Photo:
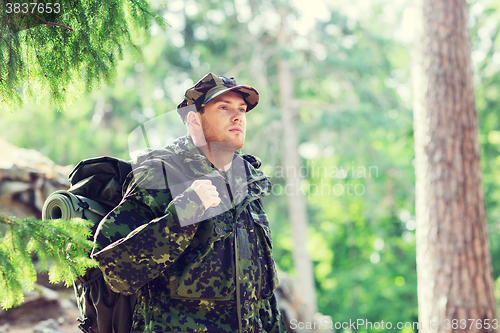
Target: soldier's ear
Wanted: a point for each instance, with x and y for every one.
(193, 120)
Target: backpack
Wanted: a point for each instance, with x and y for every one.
(96, 188)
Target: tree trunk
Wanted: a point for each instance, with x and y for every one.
(297, 210)
(455, 279)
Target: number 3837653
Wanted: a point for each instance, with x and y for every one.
(34, 8)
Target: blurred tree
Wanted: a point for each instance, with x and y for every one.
(485, 21)
(297, 209)
(455, 282)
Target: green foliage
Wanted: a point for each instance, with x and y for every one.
(62, 245)
(362, 246)
(73, 49)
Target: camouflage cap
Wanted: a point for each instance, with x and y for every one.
(211, 86)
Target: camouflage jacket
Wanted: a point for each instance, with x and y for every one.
(193, 270)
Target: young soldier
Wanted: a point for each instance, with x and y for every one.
(190, 236)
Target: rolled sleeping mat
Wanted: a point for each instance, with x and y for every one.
(66, 205)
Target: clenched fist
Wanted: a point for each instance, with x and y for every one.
(207, 192)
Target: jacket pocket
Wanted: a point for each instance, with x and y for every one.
(263, 222)
(206, 272)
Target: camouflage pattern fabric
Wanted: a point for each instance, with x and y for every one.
(217, 275)
(210, 86)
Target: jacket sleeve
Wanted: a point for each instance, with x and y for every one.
(142, 236)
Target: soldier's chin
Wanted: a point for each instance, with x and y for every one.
(227, 145)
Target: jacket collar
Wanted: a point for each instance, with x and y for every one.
(200, 166)
(182, 156)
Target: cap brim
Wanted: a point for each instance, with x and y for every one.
(250, 95)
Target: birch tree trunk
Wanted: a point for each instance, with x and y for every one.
(455, 279)
(297, 210)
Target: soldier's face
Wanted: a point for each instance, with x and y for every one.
(224, 120)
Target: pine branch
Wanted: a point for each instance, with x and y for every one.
(75, 59)
(62, 245)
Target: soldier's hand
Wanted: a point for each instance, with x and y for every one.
(207, 192)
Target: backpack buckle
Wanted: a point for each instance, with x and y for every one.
(85, 325)
(83, 204)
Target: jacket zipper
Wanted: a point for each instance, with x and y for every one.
(237, 267)
(260, 280)
(237, 277)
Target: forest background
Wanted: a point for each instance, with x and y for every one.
(350, 66)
